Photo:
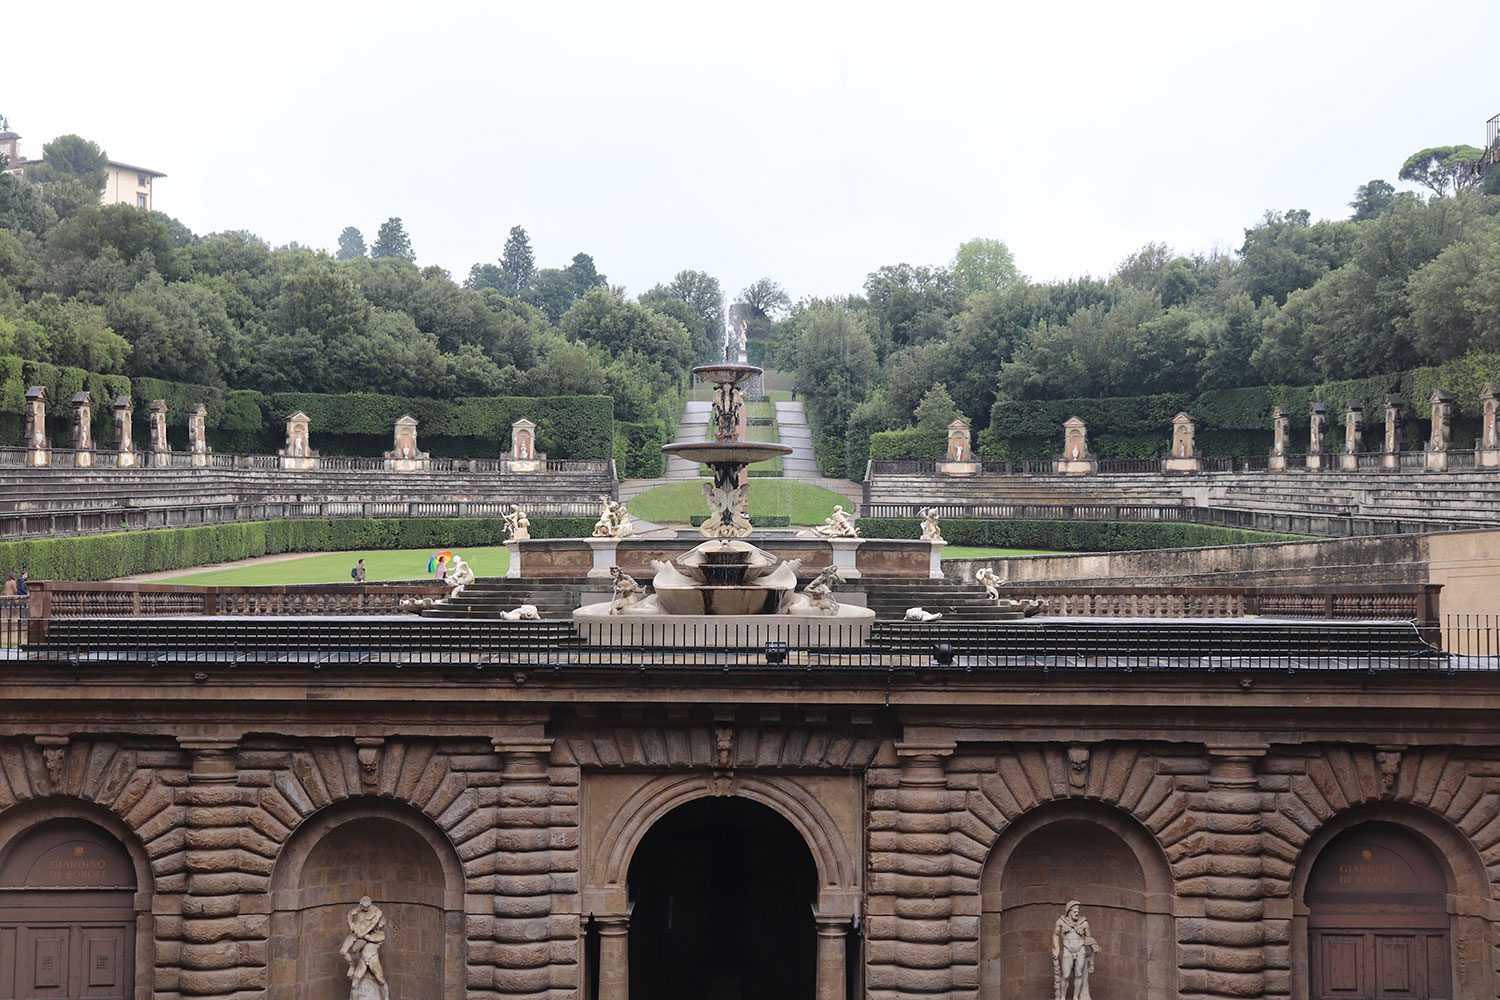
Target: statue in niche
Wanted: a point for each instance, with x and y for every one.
(930, 530)
(361, 949)
(1073, 951)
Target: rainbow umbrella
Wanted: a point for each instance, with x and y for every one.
(438, 557)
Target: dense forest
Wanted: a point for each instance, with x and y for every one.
(1406, 280)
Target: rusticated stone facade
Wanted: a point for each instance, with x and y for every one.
(498, 821)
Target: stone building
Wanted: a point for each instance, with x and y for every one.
(542, 822)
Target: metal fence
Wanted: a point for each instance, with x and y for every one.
(829, 647)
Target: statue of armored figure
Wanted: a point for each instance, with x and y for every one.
(1073, 951)
(361, 949)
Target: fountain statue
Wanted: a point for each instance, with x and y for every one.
(726, 575)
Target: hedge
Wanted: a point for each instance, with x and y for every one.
(1236, 422)
(105, 557)
(910, 443)
(637, 449)
(1071, 536)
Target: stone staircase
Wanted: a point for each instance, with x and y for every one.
(489, 597)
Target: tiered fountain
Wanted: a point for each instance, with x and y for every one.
(726, 578)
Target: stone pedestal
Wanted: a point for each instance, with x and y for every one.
(604, 556)
(161, 451)
(124, 432)
(844, 555)
(83, 430)
(1435, 461)
(513, 571)
(1174, 463)
(1318, 461)
(946, 468)
(198, 435)
(935, 561)
(521, 465)
(1348, 462)
(1276, 463)
(1279, 424)
(38, 451)
(1075, 466)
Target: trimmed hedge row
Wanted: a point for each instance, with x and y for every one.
(637, 449)
(1071, 536)
(106, 557)
(910, 443)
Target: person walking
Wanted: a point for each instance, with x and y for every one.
(359, 572)
(10, 586)
(442, 569)
(21, 583)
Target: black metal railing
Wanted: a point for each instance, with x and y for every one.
(832, 647)
(13, 621)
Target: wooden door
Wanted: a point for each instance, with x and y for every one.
(1377, 919)
(67, 921)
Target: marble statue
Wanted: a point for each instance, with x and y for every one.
(728, 401)
(460, 574)
(614, 521)
(726, 510)
(525, 611)
(838, 525)
(930, 530)
(922, 615)
(629, 594)
(986, 578)
(1025, 607)
(1073, 951)
(361, 949)
(816, 598)
(517, 524)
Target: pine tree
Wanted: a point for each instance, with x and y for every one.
(517, 263)
(392, 241)
(351, 244)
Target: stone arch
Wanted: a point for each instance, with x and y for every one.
(838, 875)
(1108, 861)
(21, 820)
(1471, 901)
(399, 857)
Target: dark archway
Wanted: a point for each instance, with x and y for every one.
(1378, 922)
(67, 914)
(723, 892)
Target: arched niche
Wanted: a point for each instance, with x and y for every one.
(75, 901)
(1408, 915)
(404, 863)
(1111, 865)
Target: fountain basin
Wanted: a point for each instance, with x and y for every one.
(726, 452)
(726, 374)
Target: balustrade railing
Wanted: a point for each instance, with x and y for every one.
(107, 458)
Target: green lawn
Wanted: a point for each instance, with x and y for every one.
(674, 503)
(970, 552)
(333, 567)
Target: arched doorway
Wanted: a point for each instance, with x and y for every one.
(1378, 923)
(405, 865)
(1113, 868)
(722, 893)
(67, 914)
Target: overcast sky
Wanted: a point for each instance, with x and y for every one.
(810, 142)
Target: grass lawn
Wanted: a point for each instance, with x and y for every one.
(674, 503)
(333, 567)
(970, 552)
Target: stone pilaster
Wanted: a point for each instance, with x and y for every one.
(1221, 932)
(910, 929)
(223, 951)
(536, 856)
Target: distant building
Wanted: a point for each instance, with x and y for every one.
(125, 184)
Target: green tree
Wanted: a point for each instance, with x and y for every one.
(1287, 251)
(1371, 199)
(835, 371)
(178, 331)
(982, 265)
(77, 334)
(704, 297)
(127, 230)
(351, 244)
(22, 206)
(936, 410)
(391, 241)
(1443, 169)
(71, 172)
(517, 263)
(912, 304)
(605, 320)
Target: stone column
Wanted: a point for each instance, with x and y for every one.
(614, 956)
(832, 977)
(124, 432)
(1354, 425)
(910, 929)
(83, 430)
(38, 451)
(1221, 925)
(198, 435)
(1441, 437)
(1317, 415)
(161, 450)
(223, 952)
(1487, 448)
(1279, 424)
(1390, 452)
